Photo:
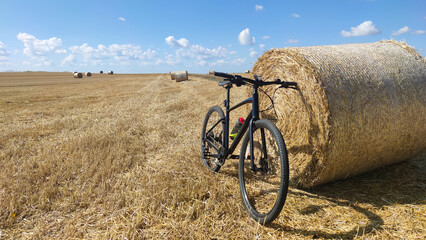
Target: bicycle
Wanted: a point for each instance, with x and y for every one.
(263, 170)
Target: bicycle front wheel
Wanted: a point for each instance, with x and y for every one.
(263, 182)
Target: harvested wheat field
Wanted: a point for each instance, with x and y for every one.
(118, 156)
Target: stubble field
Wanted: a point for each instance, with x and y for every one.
(118, 156)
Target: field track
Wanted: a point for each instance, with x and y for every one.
(117, 156)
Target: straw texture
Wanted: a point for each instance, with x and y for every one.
(358, 107)
(181, 76)
(173, 75)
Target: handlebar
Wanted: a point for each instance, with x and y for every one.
(221, 74)
(238, 80)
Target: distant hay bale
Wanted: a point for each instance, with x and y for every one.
(247, 71)
(110, 72)
(181, 76)
(74, 72)
(78, 75)
(101, 72)
(89, 74)
(358, 107)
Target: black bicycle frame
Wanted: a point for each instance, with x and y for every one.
(248, 123)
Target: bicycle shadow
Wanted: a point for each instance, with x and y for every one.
(329, 196)
(230, 168)
(402, 183)
(398, 184)
(374, 221)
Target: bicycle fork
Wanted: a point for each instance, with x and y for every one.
(264, 156)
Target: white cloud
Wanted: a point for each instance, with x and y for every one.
(35, 47)
(258, 7)
(202, 63)
(183, 42)
(222, 62)
(194, 54)
(292, 41)
(122, 19)
(201, 53)
(239, 61)
(366, 28)
(253, 53)
(266, 37)
(125, 51)
(68, 59)
(3, 54)
(169, 59)
(4, 61)
(219, 62)
(406, 29)
(39, 62)
(89, 52)
(3, 50)
(262, 47)
(419, 32)
(295, 15)
(149, 54)
(43, 62)
(114, 52)
(245, 37)
(402, 30)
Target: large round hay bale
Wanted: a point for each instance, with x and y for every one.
(89, 74)
(172, 75)
(101, 72)
(110, 72)
(358, 107)
(78, 75)
(181, 76)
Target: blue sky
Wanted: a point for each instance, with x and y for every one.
(165, 35)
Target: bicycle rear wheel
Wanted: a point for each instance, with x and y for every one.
(212, 138)
(264, 187)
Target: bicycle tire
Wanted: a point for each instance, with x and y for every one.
(259, 188)
(214, 114)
